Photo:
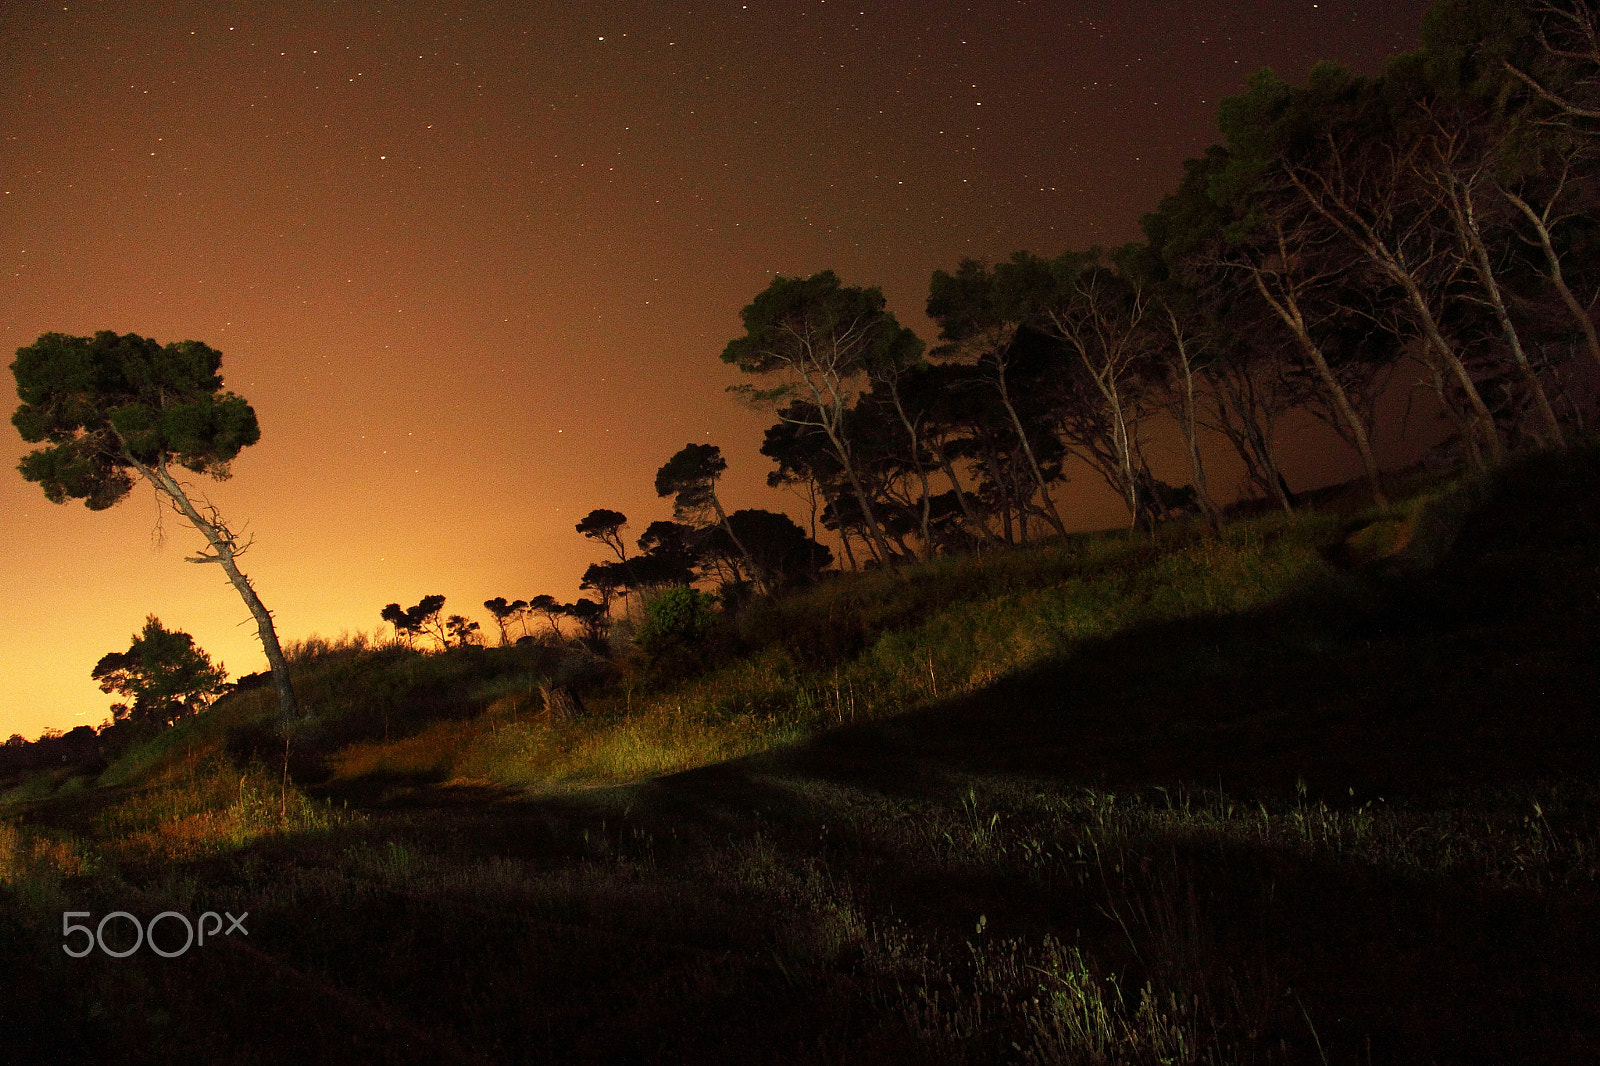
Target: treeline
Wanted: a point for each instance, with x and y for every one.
(1440, 217)
(1436, 222)
(78, 747)
(743, 553)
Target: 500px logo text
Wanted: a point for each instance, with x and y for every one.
(194, 933)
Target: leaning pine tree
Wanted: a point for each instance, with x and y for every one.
(107, 405)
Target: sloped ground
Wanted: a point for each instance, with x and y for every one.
(1361, 825)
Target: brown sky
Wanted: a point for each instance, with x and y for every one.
(474, 264)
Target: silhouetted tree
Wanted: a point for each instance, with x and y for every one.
(460, 631)
(108, 404)
(690, 477)
(503, 612)
(422, 619)
(1336, 143)
(607, 579)
(669, 555)
(590, 615)
(980, 315)
(804, 459)
(606, 527)
(1181, 343)
(166, 676)
(781, 549)
(552, 610)
(1260, 232)
(1096, 310)
(819, 335)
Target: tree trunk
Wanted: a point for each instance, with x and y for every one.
(844, 539)
(916, 461)
(1555, 275)
(978, 524)
(1251, 439)
(868, 515)
(1482, 420)
(763, 583)
(222, 542)
(1388, 258)
(1033, 464)
(1191, 430)
(1472, 235)
(1288, 311)
(1001, 479)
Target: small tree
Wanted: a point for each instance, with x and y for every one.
(607, 579)
(677, 625)
(590, 615)
(163, 672)
(422, 619)
(606, 527)
(108, 404)
(552, 610)
(460, 631)
(503, 612)
(690, 477)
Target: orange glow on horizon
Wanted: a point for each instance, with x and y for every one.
(475, 272)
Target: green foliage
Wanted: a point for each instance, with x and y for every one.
(105, 403)
(677, 624)
(164, 673)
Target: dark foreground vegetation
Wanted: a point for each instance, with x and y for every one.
(1322, 789)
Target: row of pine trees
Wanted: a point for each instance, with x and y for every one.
(1430, 228)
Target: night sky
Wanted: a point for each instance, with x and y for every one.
(474, 265)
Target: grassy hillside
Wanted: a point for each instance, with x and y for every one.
(1321, 790)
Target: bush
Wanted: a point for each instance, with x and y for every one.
(676, 628)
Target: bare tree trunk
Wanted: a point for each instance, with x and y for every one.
(1483, 419)
(844, 539)
(1033, 464)
(1541, 226)
(1189, 424)
(1387, 256)
(916, 461)
(1463, 425)
(225, 545)
(1466, 220)
(1574, 407)
(879, 543)
(1251, 439)
(1003, 485)
(1104, 344)
(1288, 311)
(978, 524)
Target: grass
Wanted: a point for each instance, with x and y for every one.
(1324, 790)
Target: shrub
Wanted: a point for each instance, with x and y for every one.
(676, 627)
